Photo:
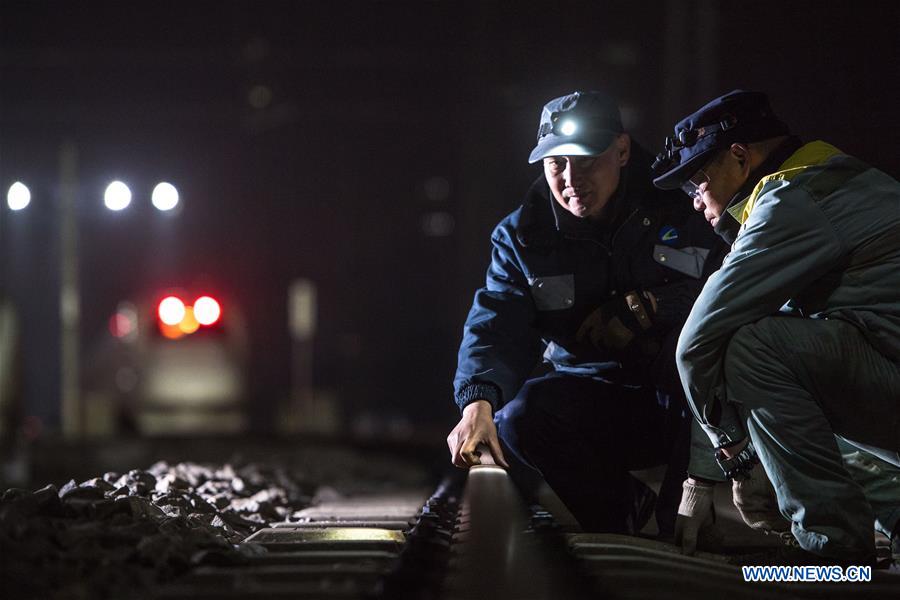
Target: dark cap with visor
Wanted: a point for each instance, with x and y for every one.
(738, 116)
(579, 124)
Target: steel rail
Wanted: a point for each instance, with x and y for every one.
(496, 555)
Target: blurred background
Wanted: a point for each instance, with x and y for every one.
(334, 171)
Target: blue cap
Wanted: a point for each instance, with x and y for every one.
(580, 124)
(738, 116)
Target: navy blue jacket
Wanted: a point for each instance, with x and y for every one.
(549, 270)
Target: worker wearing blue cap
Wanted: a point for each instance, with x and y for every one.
(596, 271)
(797, 337)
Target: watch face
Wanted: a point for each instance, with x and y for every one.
(739, 465)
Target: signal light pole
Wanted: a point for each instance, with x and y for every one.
(117, 197)
(71, 407)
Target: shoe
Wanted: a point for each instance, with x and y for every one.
(889, 556)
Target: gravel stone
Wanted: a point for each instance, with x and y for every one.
(115, 535)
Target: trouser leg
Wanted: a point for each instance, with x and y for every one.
(677, 438)
(544, 427)
(527, 478)
(584, 435)
(800, 381)
(880, 481)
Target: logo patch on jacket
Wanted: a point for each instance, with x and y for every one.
(668, 235)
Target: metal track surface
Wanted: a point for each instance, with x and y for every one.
(474, 538)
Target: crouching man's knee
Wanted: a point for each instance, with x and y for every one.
(512, 423)
(519, 422)
(753, 367)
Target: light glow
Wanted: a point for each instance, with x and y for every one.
(18, 196)
(188, 323)
(117, 196)
(207, 310)
(120, 325)
(165, 196)
(124, 323)
(568, 127)
(171, 311)
(171, 332)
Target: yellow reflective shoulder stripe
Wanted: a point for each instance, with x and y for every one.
(737, 211)
(809, 155)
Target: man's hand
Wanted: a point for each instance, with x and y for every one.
(694, 525)
(616, 324)
(475, 427)
(755, 499)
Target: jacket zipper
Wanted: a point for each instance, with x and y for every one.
(612, 240)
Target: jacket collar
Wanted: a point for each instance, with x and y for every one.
(786, 162)
(739, 201)
(810, 155)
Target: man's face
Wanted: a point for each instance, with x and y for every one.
(714, 186)
(583, 185)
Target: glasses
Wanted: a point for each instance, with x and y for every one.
(691, 187)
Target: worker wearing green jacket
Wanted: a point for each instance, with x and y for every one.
(796, 338)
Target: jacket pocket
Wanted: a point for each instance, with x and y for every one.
(689, 260)
(555, 292)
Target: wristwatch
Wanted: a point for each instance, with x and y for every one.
(739, 465)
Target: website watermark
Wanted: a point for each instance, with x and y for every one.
(807, 573)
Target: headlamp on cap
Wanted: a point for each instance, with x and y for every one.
(559, 126)
(739, 116)
(578, 124)
(568, 127)
(687, 138)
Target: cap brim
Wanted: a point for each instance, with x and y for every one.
(674, 178)
(555, 145)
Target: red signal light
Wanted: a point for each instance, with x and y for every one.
(171, 310)
(206, 310)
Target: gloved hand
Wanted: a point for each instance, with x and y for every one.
(695, 523)
(617, 323)
(755, 499)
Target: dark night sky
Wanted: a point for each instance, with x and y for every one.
(373, 106)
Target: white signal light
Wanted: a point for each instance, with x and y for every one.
(117, 196)
(171, 310)
(207, 310)
(165, 196)
(18, 196)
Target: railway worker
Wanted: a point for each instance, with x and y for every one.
(596, 270)
(797, 337)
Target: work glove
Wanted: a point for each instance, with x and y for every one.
(695, 523)
(619, 322)
(755, 499)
